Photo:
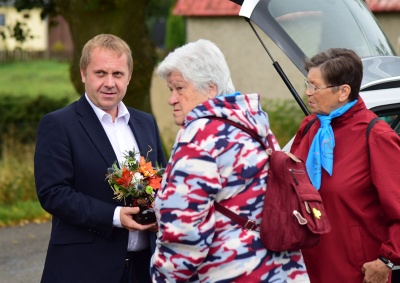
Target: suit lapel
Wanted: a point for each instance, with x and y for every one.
(140, 134)
(95, 131)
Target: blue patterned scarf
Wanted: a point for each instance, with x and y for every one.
(321, 150)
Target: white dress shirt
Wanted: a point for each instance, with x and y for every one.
(122, 140)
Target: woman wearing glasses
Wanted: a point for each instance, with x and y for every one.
(358, 177)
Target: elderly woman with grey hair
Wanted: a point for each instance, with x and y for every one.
(212, 161)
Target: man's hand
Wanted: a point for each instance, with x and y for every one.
(128, 223)
(375, 272)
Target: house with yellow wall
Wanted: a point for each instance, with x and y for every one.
(37, 27)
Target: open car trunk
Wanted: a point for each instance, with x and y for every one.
(304, 28)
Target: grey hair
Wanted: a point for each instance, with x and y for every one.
(201, 63)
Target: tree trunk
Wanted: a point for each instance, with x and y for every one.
(123, 18)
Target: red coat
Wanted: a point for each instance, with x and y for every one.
(361, 198)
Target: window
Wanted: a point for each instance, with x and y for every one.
(391, 115)
(2, 20)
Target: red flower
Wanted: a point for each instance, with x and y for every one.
(126, 178)
(155, 182)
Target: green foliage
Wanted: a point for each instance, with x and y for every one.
(176, 32)
(284, 117)
(23, 101)
(16, 167)
(159, 8)
(47, 6)
(33, 78)
(21, 115)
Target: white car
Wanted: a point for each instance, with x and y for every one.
(303, 28)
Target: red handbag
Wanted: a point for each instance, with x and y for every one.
(293, 213)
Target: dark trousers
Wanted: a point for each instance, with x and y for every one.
(137, 267)
(396, 276)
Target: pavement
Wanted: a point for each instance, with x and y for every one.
(22, 252)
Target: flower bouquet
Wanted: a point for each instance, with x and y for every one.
(138, 181)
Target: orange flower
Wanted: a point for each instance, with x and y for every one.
(126, 178)
(146, 168)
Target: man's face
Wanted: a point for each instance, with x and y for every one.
(106, 79)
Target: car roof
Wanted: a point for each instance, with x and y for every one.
(379, 71)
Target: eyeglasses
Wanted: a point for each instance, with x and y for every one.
(313, 88)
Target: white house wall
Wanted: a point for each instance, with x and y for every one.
(390, 24)
(251, 67)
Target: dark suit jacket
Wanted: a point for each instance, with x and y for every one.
(71, 160)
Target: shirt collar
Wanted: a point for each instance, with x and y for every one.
(100, 113)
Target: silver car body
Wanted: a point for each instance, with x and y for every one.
(304, 28)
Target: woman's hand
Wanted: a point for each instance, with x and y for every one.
(375, 272)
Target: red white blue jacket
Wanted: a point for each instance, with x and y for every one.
(213, 161)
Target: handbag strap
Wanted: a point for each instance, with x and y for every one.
(370, 125)
(369, 128)
(308, 126)
(241, 220)
(244, 129)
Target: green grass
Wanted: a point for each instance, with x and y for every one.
(18, 200)
(34, 78)
(20, 213)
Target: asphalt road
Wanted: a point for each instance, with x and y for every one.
(22, 252)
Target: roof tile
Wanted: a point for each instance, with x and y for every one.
(206, 8)
(383, 5)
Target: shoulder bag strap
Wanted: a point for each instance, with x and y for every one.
(370, 125)
(308, 126)
(369, 128)
(242, 221)
(244, 129)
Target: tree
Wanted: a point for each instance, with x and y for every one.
(124, 18)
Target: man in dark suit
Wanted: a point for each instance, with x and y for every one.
(93, 236)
